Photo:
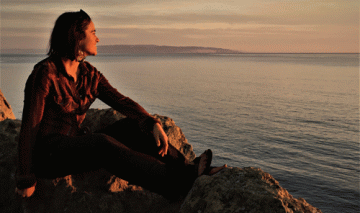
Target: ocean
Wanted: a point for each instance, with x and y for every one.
(295, 116)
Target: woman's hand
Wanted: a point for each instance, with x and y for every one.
(25, 193)
(161, 139)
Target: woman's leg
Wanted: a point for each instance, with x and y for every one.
(70, 155)
(128, 133)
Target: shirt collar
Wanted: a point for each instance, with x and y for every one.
(61, 69)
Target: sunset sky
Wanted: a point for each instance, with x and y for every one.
(244, 25)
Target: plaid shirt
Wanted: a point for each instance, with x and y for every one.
(55, 104)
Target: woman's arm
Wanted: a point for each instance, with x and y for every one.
(36, 91)
(133, 110)
(125, 105)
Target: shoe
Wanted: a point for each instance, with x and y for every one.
(207, 156)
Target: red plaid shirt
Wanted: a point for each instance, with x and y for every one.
(54, 103)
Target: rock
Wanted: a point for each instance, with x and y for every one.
(97, 119)
(97, 191)
(242, 190)
(5, 108)
(176, 137)
(232, 190)
(9, 129)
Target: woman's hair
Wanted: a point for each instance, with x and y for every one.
(68, 31)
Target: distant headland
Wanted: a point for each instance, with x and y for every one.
(134, 49)
(138, 49)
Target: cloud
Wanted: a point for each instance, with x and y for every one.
(317, 12)
(275, 39)
(189, 22)
(27, 19)
(167, 13)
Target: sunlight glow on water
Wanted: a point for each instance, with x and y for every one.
(295, 116)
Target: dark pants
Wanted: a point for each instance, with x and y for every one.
(123, 150)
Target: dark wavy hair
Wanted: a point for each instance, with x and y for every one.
(68, 31)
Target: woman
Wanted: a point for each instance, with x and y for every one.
(58, 93)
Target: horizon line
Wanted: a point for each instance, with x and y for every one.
(239, 53)
(37, 50)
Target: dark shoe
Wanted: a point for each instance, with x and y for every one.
(207, 157)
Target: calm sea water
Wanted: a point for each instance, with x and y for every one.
(296, 116)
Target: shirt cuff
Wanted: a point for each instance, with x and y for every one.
(25, 181)
(147, 125)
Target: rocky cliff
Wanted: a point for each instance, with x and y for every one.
(5, 108)
(232, 190)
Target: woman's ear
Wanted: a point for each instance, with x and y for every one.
(80, 55)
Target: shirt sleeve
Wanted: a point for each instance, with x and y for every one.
(125, 105)
(36, 91)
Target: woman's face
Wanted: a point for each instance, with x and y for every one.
(88, 44)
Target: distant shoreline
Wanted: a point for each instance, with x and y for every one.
(137, 49)
(156, 49)
(104, 54)
(152, 49)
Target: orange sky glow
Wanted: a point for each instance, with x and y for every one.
(286, 26)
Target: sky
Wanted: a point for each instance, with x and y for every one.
(285, 26)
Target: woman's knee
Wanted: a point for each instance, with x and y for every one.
(106, 143)
(100, 139)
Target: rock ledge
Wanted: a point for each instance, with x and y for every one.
(232, 190)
